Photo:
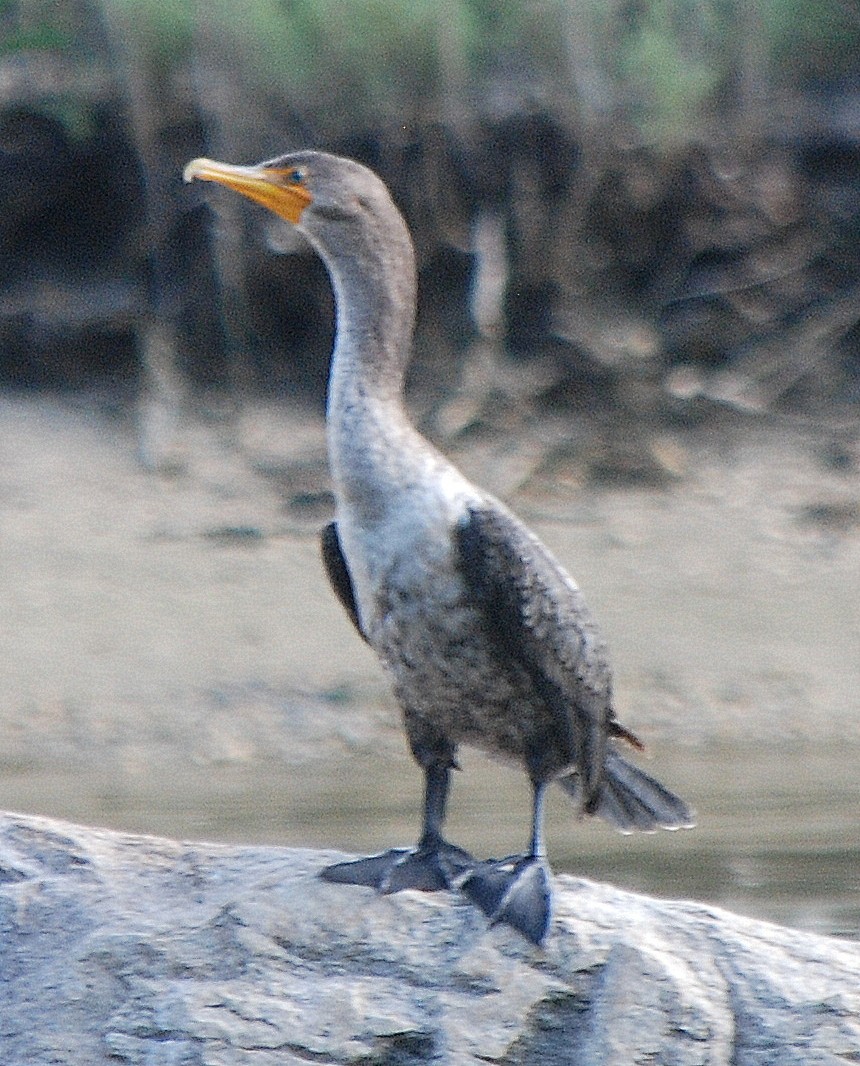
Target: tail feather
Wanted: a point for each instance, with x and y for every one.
(632, 800)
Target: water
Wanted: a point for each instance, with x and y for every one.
(777, 833)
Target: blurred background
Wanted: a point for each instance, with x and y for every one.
(638, 234)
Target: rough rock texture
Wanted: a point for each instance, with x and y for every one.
(125, 949)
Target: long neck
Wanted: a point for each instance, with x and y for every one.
(373, 275)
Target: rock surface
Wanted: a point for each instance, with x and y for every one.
(130, 949)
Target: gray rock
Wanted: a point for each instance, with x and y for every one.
(129, 949)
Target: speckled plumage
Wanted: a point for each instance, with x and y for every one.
(487, 640)
(401, 507)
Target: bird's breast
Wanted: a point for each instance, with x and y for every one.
(418, 615)
(417, 612)
(404, 557)
(396, 529)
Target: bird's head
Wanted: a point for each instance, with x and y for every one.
(347, 214)
(309, 189)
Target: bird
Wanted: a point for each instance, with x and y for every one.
(486, 638)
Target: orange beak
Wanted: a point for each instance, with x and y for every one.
(273, 188)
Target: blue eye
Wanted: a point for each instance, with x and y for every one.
(296, 176)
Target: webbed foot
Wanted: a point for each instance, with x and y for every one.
(515, 891)
(427, 869)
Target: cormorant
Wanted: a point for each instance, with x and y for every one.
(486, 638)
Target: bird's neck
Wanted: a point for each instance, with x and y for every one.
(370, 436)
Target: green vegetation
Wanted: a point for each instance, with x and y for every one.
(673, 66)
(162, 29)
(33, 26)
(664, 66)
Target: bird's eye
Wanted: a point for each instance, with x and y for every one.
(296, 176)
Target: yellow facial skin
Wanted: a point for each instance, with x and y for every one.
(280, 190)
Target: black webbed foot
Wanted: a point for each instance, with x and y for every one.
(427, 869)
(515, 891)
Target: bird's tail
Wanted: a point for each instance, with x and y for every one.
(632, 800)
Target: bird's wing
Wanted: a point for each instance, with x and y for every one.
(338, 573)
(536, 617)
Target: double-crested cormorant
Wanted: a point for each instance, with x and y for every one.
(486, 638)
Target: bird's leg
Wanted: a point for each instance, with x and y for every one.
(433, 864)
(516, 891)
(437, 781)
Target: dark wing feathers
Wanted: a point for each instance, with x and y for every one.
(536, 616)
(338, 573)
